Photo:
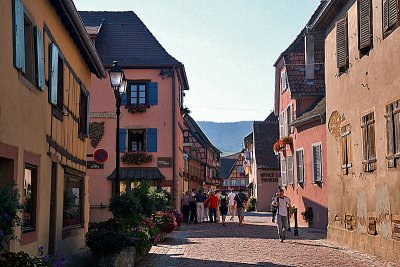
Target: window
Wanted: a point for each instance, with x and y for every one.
(342, 46)
(84, 112)
(300, 166)
(29, 50)
(345, 140)
(73, 200)
(60, 84)
(284, 81)
(290, 170)
(56, 81)
(186, 139)
(390, 16)
(364, 26)
(28, 197)
(393, 134)
(368, 134)
(137, 94)
(28, 46)
(136, 140)
(317, 163)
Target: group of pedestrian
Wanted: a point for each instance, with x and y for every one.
(199, 206)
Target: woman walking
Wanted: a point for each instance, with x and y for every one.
(223, 206)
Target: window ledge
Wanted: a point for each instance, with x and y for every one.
(28, 237)
(28, 84)
(58, 113)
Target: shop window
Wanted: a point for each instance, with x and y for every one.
(73, 201)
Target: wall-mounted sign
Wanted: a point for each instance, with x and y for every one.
(110, 115)
(94, 165)
(100, 155)
(164, 162)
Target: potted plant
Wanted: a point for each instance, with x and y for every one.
(308, 215)
(137, 108)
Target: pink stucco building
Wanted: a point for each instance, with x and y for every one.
(300, 104)
(151, 123)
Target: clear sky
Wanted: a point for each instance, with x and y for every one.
(228, 47)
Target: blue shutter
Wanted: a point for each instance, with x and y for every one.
(122, 140)
(39, 59)
(53, 74)
(153, 93)
(87, 113)
(19, 35)
(152, 140)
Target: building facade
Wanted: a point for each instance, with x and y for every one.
(201, 158)
(151, 122)
(363, 100)
(300, 105)
(261, 163)
(46, 80)
(233, 173)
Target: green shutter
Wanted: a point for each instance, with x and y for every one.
(152, 140)
(53, 74)
(39, 59)
(19, 35)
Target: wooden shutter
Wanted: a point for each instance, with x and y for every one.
(281, 128)
(342, 51)
(392, 12)
(39, 59)
(19, 35)
(300, 166)
(390, 135)
(385, 15)
(396, 118)
(371, 145)
(152, 140)
(290, 170)
(365, 25)
(122, 140)
(283, 171)
(365, 143)
(153, 93)
(87, 113)
(53, 79)
(289, 119)
(317, 164)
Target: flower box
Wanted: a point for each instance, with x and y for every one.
(137, 158)
(137, 108)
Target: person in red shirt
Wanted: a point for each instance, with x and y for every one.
(213, 207)
(206, 208)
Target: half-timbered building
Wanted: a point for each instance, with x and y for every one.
(233, 172)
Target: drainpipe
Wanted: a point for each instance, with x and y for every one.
(174, 178)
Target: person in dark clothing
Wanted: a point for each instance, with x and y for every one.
(240, 199)
(223, 206)
(192, 205)
(274, 209)
(186, 207)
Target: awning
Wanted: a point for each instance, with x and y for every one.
(135, 173)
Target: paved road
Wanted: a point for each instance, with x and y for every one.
(253, 244)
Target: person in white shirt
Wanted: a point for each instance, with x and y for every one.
(231, 199)
(282, 203)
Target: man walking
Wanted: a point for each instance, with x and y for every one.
(231, 199)
(240, 199)
(213, 207)
(282, 203)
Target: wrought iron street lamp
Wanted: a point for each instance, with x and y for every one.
(118, 84)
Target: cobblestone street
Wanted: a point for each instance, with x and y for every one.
(254, 243)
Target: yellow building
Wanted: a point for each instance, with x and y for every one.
(46, 60)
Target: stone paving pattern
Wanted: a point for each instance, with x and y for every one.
(253, 244)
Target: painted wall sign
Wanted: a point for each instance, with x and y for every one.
(100, 155)
(94, 165)
(110, 115)
(164, 162)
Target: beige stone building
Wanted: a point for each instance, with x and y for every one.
(46, 61)
(362, 63)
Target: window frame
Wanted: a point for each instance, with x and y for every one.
(313, 163)
(67, 178)
(34, 179)
(129, 92)
(390, 27)
(30, 58)
(144, 145)
(342, 66)
(393, 134)
(284, 80)
(364, 50)
(300, 181)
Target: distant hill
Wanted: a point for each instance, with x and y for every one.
(227, 136)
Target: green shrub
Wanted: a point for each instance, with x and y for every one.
(251, 204)
(107, 238)
(9, 208)
(162, 200)
(12, 259)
